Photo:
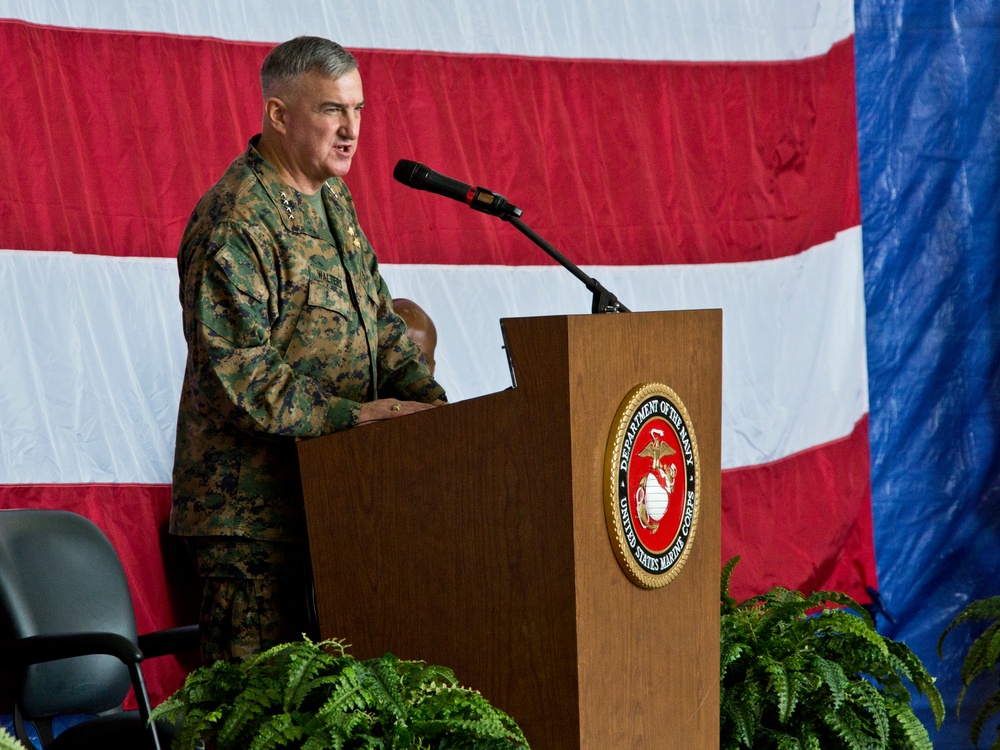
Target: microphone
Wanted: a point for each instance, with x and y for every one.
(415, 175)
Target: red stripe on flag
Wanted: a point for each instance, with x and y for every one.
(614, 162)
(133, 517)
(117, 134)
(803, 522)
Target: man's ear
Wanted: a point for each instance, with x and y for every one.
(275, 112)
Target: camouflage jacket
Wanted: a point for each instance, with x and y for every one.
(287, 335)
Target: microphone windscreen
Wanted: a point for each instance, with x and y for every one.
(406, 172)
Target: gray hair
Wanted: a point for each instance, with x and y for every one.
(304, 54)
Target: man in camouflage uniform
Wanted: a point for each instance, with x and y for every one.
(291, 333)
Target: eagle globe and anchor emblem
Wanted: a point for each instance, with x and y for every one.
(653, 496)
(651, 475)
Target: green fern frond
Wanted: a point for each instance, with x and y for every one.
(416, 676)
(914, 733)
(304, 664)
(975, 611)
(833, 677)
(904, 662)
(741, 728)
(171, 709)
(250, 664)
(808, 738)
(909, 664)
(842, 601)
(469, 732)
(839, 623)
(780, 683)
(276, 731)
(874, 709)
(731, 653)
(803, 684)
(779, 595)
(348, 725)
(775, 600)
(992, 635)
(727, 601)
(8, 741)
(215, 684)
(788, 742)
(345, 693)
(242, 716)
(444, 701)
(457, 712)
(846, 726)
(982, 654)
(985, 713)
(773, 738)
(379, 678)
(325, 740)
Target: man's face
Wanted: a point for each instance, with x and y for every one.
(323, 122)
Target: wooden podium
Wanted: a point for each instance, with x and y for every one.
(474, 536)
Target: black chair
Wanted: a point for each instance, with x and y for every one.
(69, 633)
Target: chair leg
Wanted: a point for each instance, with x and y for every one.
(43, 728)
(142, 699)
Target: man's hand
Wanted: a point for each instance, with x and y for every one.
(387, 408)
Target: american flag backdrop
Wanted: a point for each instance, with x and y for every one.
(687, 153)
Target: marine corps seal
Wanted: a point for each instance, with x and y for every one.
(652, 480)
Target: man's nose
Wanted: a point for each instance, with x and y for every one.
(351, 124)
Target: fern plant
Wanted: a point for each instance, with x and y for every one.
(313, 695)
(983, 655)
(7, 741)
(798, 673)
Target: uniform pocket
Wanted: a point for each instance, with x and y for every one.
(326, 334)
(233, 299)
(329, 297)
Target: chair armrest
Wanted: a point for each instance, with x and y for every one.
(170, 641)
(37, 649)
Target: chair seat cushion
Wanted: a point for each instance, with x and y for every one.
(119, 731)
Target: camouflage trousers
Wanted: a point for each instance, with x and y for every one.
(254, 595)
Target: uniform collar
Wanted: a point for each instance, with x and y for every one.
(295, 212)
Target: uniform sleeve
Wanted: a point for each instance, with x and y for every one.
(403, 373)
(235, 365)
(401, 370)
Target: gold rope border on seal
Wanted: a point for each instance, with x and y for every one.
(612, 457)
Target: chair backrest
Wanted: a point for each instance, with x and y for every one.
(60, 574)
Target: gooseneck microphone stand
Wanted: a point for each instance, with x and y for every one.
(418, 176)
(604, 301)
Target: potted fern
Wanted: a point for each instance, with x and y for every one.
(7, 741)
(800, 673)
(983, 655)
(313, 695)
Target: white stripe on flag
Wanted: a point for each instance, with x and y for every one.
(694, 30)
(91, 360)
(92, 353)
(794, 362)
